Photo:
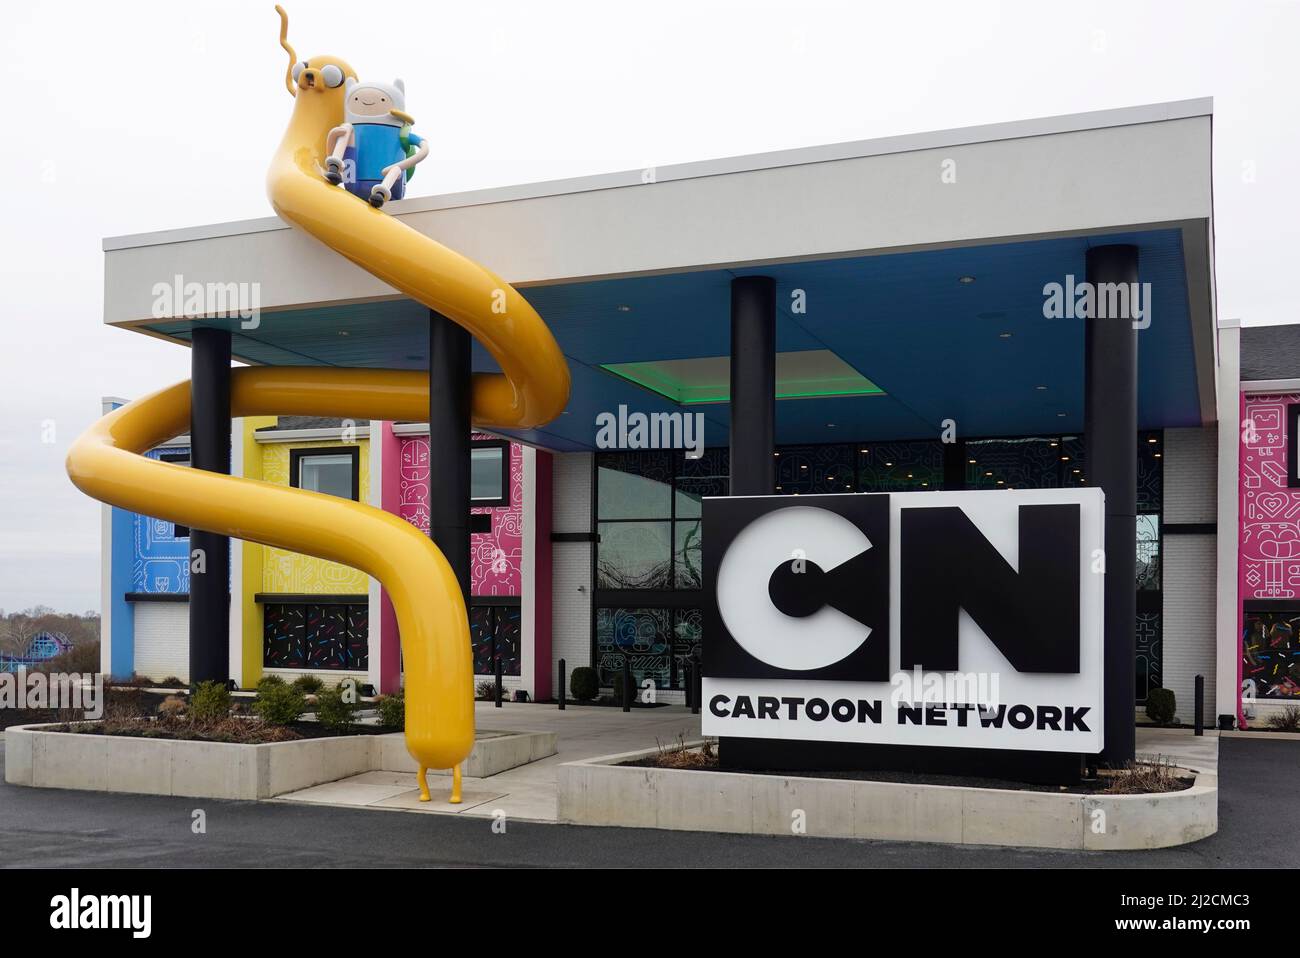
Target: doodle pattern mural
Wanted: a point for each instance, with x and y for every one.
(161, 557)
(495, 556)
(1269, 563)
(1270, 511)
(291, 572)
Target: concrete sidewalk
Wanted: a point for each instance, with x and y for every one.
(528, 792)
(525, 793)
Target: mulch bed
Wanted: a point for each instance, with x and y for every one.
(695, 761)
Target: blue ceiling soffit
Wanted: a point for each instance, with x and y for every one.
(980, 352)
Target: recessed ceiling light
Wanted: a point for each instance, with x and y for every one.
(1060, 415)
(971, 461)
(343, 332)
(803, 467)
(862, 450)
(1004, 335)
(966, 280)
(1065, 459)
(1040, 387)
(889, 463)
(1157, 455)
(1151, 440)
(623, 308)
(830, 425)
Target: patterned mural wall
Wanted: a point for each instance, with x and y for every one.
(496, 556)
(291, 572)
(1269, 554)
(160, 560)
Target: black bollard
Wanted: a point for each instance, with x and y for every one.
(497, 665)
(1200, 705)
(627, 685)
(561, 685)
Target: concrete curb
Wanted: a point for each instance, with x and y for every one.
(40, 758)
(600, 791)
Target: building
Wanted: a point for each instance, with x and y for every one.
(1269, 571)
(293, 614)
(895, 314)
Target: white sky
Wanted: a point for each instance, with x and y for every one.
(129, 117)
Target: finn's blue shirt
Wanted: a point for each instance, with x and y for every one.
(379, 145)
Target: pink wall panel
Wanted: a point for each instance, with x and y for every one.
(1269, 567)
(494, 557)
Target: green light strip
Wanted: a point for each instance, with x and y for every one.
(673, 394)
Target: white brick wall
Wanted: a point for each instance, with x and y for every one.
(1188, 640)
(1188, 567)
(162, 640)
(571, 562)
(1191, 465)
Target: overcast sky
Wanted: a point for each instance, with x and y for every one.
(129, 117)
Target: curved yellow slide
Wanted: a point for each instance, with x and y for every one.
(107, 462)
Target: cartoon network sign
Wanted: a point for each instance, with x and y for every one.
(820, 604)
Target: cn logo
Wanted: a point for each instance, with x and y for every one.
(804, 588)
(801, 587)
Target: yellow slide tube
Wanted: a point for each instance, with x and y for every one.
(107, 462)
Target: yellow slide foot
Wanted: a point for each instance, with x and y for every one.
(424, 784)
(455, 785)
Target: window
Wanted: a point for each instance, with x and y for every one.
(315, 636)
(494, 632)
(180, 459)
(648, 517)
(489, 473)
(333, 471)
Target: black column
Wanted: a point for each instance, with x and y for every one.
(449, 425)
(954, 465)
(209, 552)
(753, 386)
(1110, 436)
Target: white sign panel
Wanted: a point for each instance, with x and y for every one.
(954, 619)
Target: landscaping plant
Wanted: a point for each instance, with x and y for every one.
(278, 703)
(210, 702)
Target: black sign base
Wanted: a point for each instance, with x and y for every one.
(771, 755)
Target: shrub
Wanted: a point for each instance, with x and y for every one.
(278, 703)
(172, 682)
(308, 684)
(1160, 706)
(1286, 720)
(335, 708)
(584, 683)
(392, 710)
(486, 690)
(129, 703)
(172, 707)
(79, 658)
(617, 681)
(268, 680)
(210, 702)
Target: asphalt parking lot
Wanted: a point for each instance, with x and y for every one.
(1259, 826)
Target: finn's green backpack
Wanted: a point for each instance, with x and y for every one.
(404, 137)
